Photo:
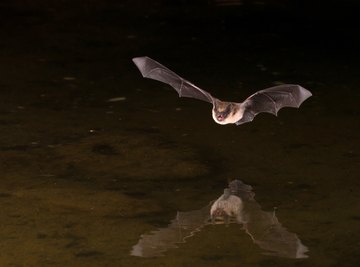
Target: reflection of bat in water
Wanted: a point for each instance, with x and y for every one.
(236, 205)
(269, 100)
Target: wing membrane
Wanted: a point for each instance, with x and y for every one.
(272, 99)
(152, 69)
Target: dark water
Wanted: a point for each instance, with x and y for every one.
(83, 178)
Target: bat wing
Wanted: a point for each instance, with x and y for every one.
(185, 225)
(264, 227)
(272, 99)
(152, 69)
(269, 234)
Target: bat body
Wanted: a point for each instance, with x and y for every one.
(269, 100)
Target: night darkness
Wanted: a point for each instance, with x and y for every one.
(96, 161)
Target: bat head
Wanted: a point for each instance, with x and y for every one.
(224, 112)
(221, 110)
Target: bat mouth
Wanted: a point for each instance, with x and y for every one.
(220, 117)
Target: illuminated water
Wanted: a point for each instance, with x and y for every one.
(83, 178)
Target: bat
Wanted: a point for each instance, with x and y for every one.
(238, 206)
(269, 100)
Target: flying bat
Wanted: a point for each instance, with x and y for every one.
(269, 100)
(236, 206)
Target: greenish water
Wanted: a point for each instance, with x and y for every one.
(83, 178)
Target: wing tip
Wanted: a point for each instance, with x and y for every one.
(303, 94)
(140, 63)
(139, 60)
(134, 59)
